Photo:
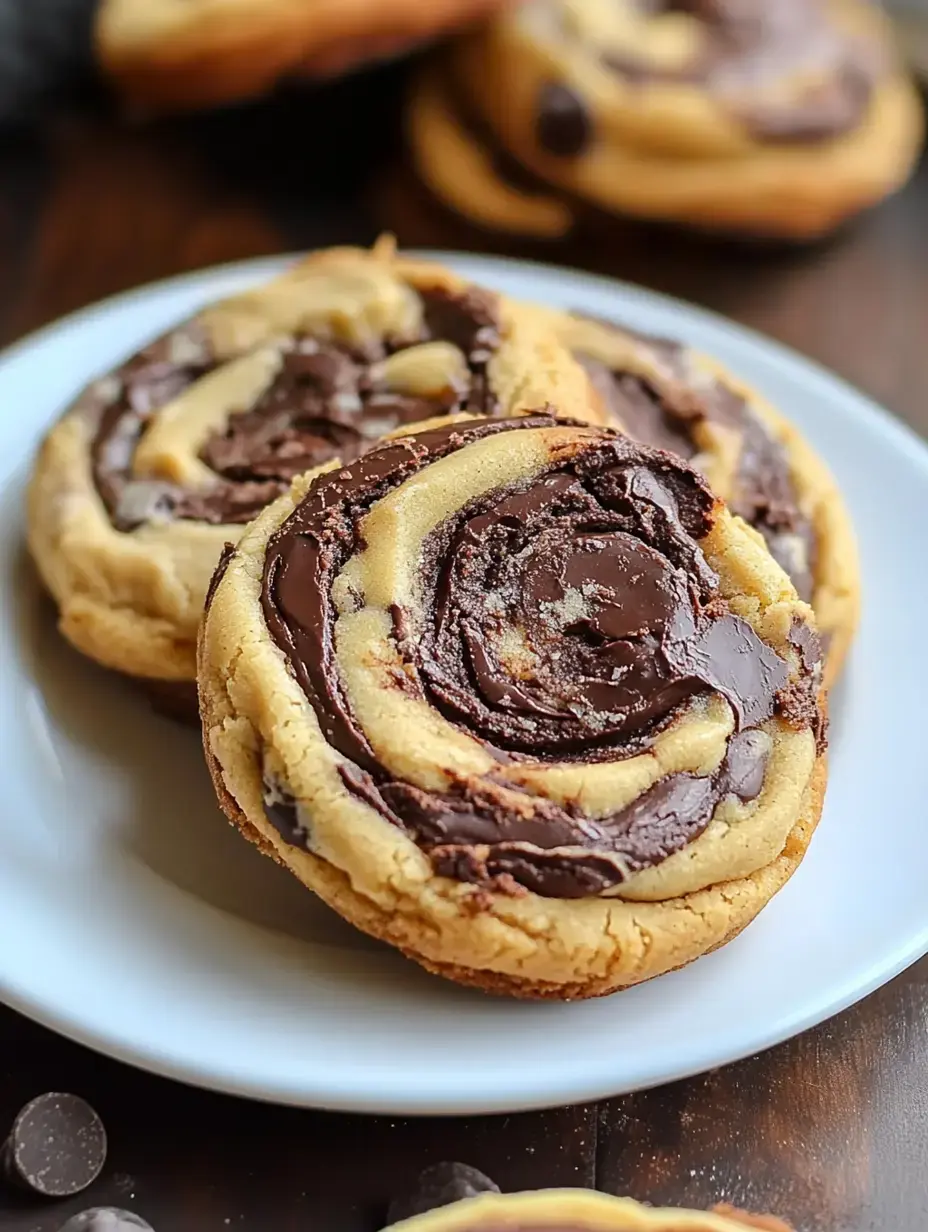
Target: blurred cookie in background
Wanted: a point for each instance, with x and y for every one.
(750, 118)
(167, 54)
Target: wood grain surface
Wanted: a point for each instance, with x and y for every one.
(829, 1130)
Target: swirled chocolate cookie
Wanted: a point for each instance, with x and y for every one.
(667, 395)
(159, 464)
(521, 698)
(770, 119)
(580, 1210)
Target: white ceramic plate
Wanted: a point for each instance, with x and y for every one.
(134, 919)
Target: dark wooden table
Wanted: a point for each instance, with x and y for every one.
(829, 1130)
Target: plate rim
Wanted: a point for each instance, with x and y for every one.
(859, 405)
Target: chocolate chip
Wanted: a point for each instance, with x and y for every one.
(57, 1146)
(562, 125)
(285, 815)
(807, 642)
(440, 1185)
(106, 1219)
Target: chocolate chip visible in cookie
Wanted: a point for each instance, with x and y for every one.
(563, 124)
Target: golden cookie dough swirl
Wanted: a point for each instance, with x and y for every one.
(767, 118)
(580, 1210)
(161, 462)
(516, 670)
(667, 395)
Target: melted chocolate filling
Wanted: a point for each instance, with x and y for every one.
(750, 45)
(326, 401)
(573, 616)
(146, 382)
(483, 847)
(764, 493)
(599, 571)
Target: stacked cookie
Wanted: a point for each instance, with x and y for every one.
(766, 119)
(511, 642)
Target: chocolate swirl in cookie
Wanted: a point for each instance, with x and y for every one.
(155, 467)
(787, 71)
(306, 398)
(562, 620)
(660, 397)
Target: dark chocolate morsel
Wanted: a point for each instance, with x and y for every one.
(562, 122)
(469, 319)
(808, 643)
(440, 1185)
(57, 1146)
(749, 46)
(106, 1219)
(284, 814)
(799, 704)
